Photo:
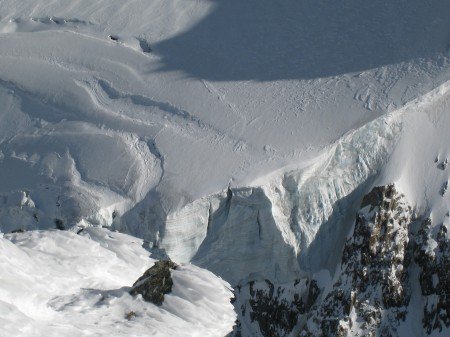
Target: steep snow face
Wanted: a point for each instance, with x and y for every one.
(410, 299)
(419, 163)
(56, 283)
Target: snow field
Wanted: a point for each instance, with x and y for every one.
(58, 283)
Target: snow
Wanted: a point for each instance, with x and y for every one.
(58, 283)
(280, 219)
(424, 139)
(237, 135)
(194, 113)
(303, 213)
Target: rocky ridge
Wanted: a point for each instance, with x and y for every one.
(432, 255)
(372, 287)
(273, 309)
(371, 293)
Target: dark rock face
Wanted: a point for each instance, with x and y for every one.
(375, 197)
(373, 281)
(372, 285)
(432, 254)
(273, 310)
(271, 313)
(155, 282)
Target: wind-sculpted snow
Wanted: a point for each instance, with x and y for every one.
(294, 222)
(72, 175)
(56, 283)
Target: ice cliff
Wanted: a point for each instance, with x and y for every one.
(280, 228)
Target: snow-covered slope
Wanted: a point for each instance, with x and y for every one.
(92, 117)
(237, 135)
(57, 283)
(304, 213)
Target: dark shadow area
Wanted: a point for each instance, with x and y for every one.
(98, 298)
(303, 39)
(325, 251)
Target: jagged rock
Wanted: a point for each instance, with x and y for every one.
(155, 282)
(373, 279)
(271, 313)
(273, 310)
(433, 257)
(375, 197)
(372, 289)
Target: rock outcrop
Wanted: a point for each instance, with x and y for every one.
(432, 254)
(384, 259)
(371, 294)
(273, 310)
(155, 282)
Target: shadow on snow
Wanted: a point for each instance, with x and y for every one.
(304, 39)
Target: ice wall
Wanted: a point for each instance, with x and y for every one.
(289, 225)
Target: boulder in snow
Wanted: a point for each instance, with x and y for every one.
(155, 282)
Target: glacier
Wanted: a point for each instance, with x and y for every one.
(262, 230)
(234, 137)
